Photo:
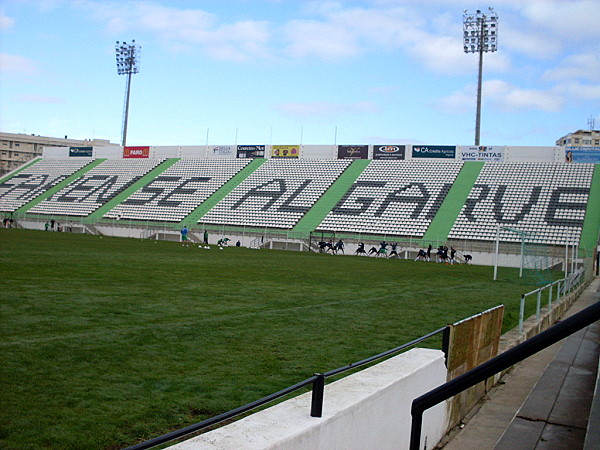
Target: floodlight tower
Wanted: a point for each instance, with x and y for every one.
(480, 34)
(127, 64)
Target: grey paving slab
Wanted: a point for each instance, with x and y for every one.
(557, 437)
(522, 434)
(540, 401)
(486, 427)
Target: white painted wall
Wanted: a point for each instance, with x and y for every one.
(221, 151)
(366, 410)
(111, 152)
(164, 152)
(530, 154)
(192, 151)
(55, 152)
(510, 154)
(319, 152)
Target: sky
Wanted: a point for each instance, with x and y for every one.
(225, 72)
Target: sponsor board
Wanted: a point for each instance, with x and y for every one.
(84, 152)
(353, 151)
(136, 152)
(434, 151)
(285, 151)
(251, 151)
(389, 151)
(582, 154)
(482, 153)
(221, 151)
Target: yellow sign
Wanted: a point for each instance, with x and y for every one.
(285, 151)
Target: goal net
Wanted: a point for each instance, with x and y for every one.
(518, 248)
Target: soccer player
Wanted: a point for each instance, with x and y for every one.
(184, 236)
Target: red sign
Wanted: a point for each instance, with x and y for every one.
(136, 152)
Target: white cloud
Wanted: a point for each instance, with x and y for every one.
(319, 109)
(184, 28)
(324, 41)
(459, 101)
(508, 97)
(581, 66)
(505, 97)
(6, 23)
(532, 43)
(578, 91)
(17, 65)
(576, 20)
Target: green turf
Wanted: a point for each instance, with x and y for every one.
(591, 224)
(109, 341)
(440, 226)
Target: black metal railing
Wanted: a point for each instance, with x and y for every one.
(495, 365)
(318, 388)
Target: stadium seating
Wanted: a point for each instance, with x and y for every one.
(179, 190)
(277, 194)
(37, 179)
(96, 187)
(393, 198)
(547, 201)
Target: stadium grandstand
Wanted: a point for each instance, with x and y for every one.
(294, 196)
(527, 207)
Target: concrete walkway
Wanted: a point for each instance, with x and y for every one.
(544, 402)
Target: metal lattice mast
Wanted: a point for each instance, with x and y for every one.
(480, 34)
(127, 64)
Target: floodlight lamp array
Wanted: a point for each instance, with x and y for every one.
(127, 56)
(480, 31)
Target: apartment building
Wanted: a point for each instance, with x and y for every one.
(580, 138)
(16, 148)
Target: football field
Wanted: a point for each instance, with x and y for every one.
(109, 341)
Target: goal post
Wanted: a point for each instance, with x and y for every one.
(524, 250)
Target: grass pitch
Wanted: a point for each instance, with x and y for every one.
(106, 342)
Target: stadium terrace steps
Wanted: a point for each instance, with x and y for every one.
(331, 197)
(591, 223)
(96, 215)
(54, 189)
(194, 217)
(19, 169)
(442, 223)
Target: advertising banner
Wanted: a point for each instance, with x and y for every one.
(84, 152)
(353, 151)
(434, 151)
(285, 151)
(389, 151)
(221, 151)
(482, 153)
(251, 151)
(136, 152)
(582, 154)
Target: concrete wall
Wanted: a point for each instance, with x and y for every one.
(319, 152)
(55, 152)
(192, 151)
(509, 154)
(108, 152)
(164, 152)
(531, 154)
(366, 410)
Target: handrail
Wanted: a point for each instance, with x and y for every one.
(568, 284)
(382, 355)
(495, 365)
(221, 417)
(317, 381)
